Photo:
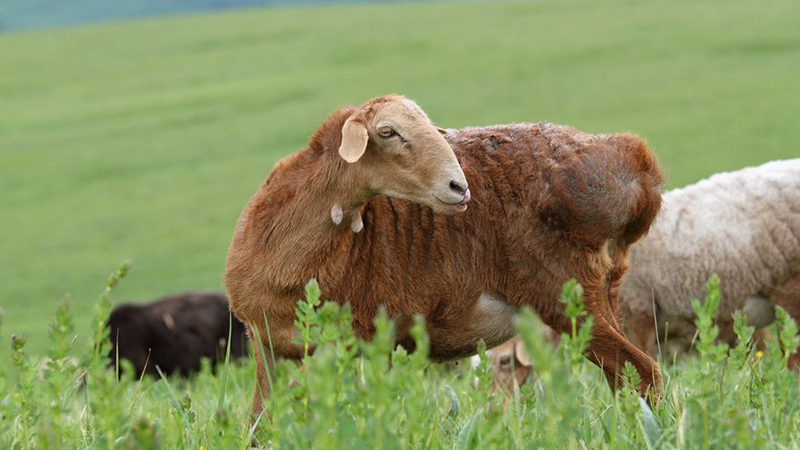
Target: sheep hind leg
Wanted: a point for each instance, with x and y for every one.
(610, 350)
(263, 383)
(787, 296)
(267, 349)
(642, 333)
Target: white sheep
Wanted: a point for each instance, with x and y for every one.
(743, 226)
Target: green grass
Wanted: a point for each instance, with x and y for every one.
(144, 140)
(369, 395)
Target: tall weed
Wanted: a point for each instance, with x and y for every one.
(348, 393)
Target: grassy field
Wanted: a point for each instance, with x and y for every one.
(144, 140)
(356, 395)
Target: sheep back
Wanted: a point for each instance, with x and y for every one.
(592, 187)
(175, 333)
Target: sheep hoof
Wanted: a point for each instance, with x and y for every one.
(357, 224)
(336, 214)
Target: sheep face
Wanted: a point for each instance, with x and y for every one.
(510, 364)
(396, 151)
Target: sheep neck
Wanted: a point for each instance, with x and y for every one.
(308, 232)
(342, 193)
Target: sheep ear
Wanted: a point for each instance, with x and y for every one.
(522, 355)
(354, 140)
(440, 130)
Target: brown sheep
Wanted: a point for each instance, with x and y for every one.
(548, 203)
(510, 362)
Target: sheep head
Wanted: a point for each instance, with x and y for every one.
(398, 152)
(510, 364)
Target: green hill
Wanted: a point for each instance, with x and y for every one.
(144, 140)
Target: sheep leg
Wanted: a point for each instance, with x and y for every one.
(760, 340)
(642, 333)
(787, 296)
(263, 389)
(641, 324)
(610, 350)
(278, 344)
(794, 361)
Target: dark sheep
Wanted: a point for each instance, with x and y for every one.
(175, 333)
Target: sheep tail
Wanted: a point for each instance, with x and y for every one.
(605, 189)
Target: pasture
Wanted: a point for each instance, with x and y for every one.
(354, 394)
(144, 140)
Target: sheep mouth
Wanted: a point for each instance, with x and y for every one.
(454, 208)
(464, 200)
(458, 206)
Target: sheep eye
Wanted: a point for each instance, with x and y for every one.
(386, 132)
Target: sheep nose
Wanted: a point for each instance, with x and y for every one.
(458, 187)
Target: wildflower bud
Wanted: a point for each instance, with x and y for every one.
(223, 418)
(122, 270)
(17, 341)
(186, 402)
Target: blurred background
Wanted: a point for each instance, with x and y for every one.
(139, 129)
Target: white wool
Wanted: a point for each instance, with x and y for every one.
(743, 225)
